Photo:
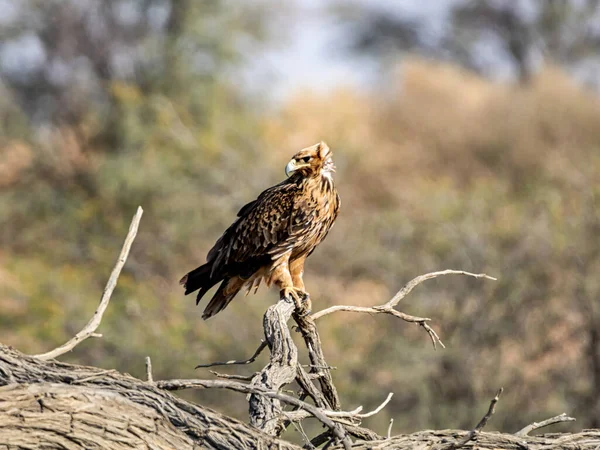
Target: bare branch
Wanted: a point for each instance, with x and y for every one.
(304, 381)
(92, 325)
(300, 430)
(149, 370)
(175, 385)
(482, 423)
(279, 372)
(336, 415)
(389, 430)
(379, 408)
(95, 376)
(261, 347)
(227, 376)
(312, 340)
(428, 276)
(535, 425)
(388, 308)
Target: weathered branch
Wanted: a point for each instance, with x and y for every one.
(339, 415)
(280, 371)
(389, 307)
(149, 370)
(308, 329)
(227, 376)
(175, 385)
(438, 439)
(544, 423)
(92, 325)
(50, 404)
(261, 347)
(482, 423)
(117, 410)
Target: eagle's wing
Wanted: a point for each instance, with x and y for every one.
(265, 229)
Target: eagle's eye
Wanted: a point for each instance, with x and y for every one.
(306, 159)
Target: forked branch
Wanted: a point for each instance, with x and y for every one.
(92, 325)
(336, 429)
(340, 416)
(389, 307)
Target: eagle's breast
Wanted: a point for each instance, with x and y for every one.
(315, 210)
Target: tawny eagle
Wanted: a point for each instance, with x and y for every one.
(273, 235)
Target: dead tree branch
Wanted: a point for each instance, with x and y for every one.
(149, 370)
(233, 362)
(86, 407)
(340, 416)
(482, 423)
(544, 423)
(175, 385)
(308, 329)
(389, 307)
(227, 376)
(438, 439)
(46, 404)
(92, 325)
(280, 371)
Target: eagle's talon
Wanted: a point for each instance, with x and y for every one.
(300, 298)
(307, 305)
(304, 308)
(292, 293)
(304, 312)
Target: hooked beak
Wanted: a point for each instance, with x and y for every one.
(290, 168)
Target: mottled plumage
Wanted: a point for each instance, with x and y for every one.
(273, 234)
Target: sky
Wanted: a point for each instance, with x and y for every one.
(309, 54)
(312, 56)
(309, 51)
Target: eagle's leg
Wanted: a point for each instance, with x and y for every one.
(283, 279)
(297, 271)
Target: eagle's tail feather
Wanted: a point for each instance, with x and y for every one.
(228, 289)
(199, 279)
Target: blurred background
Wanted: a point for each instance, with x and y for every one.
(466, 136)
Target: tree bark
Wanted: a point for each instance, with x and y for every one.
(445, 439)
(54, 405)
(280, 371)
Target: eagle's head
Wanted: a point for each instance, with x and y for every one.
(312, 161)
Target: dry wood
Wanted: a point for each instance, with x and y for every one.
(308, 329)
(280, 371)
(544, 423)
(439, 440)
(482, 423)
(84, 406)
(92, 325)
(149, 370)
(92, 400)
(389, 307)
(175, 385)
(234, 362)
(340, 416)
(227, 376)
(63, 416)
